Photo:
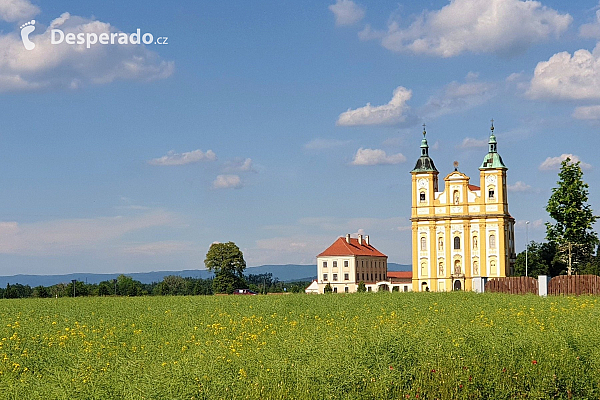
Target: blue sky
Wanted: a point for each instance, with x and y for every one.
(277, 125)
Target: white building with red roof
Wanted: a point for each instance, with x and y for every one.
(348, 261)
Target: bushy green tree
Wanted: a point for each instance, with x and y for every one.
(541, 260)
(17, 291)
(226, 260)
(572, 233)
(41, 292)
(327, 288)
(361, 287)
(81, 289)
(106, 288)
(127, 286)
(172, 285)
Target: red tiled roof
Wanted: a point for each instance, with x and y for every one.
(400, 274)
(473, 187)
(341, 248)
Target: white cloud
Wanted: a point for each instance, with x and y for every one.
(514, 77)
(63, 66)
(538, 223)
(227, 182)
(457, 97)
(567, 77)
(324, 144)
(346, 12)
(189, 157)
(591, 30)
(504, 27)
(298, 249)
(519, 186)
(470, 143)
(337, 225)
(587, 112)
(70, 236)
(242, 165)
(391, 113)
(376, 157)
(166, 247)
(302, 241)
(553, 163)
(17, 10)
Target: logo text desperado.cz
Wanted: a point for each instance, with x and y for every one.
(57, 36)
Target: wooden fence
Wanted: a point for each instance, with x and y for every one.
(512, 285)
(574, 285)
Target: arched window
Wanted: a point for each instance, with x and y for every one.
(491, 192)
(474, 242)
(423, 243)
(493, 267)
(456, 243)
(441, 243)
(423, 269)
(492, 241)
(422, 197)
(475, 268)
(441, 273)
(456, 196)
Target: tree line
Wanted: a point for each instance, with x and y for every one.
(571, 246)
(172, 285)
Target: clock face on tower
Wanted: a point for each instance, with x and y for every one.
(491, 179)
(422, 183)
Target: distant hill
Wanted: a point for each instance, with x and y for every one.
(286, 273)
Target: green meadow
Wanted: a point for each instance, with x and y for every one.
(357, 346)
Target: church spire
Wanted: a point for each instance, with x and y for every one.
(492, 159)
(424, 145)
(424, 163)
(492, 143)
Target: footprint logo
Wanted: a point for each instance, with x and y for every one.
(26, 29)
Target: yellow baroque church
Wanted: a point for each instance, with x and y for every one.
(464, 231)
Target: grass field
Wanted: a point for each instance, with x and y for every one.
(358, 346)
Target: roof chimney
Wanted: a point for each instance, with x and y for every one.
(367, 240)
(348, 238)
(360, 240)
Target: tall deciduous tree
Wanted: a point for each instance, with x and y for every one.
(226, 260)
(572, 233)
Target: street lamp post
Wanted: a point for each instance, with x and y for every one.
(526, 244)
(73, 280)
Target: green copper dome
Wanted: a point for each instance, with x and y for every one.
(424, 163)
(492, 160)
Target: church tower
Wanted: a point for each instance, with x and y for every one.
(463, 231)
(424, 188)
(499, 225)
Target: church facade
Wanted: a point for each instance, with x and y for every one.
(462, 231)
